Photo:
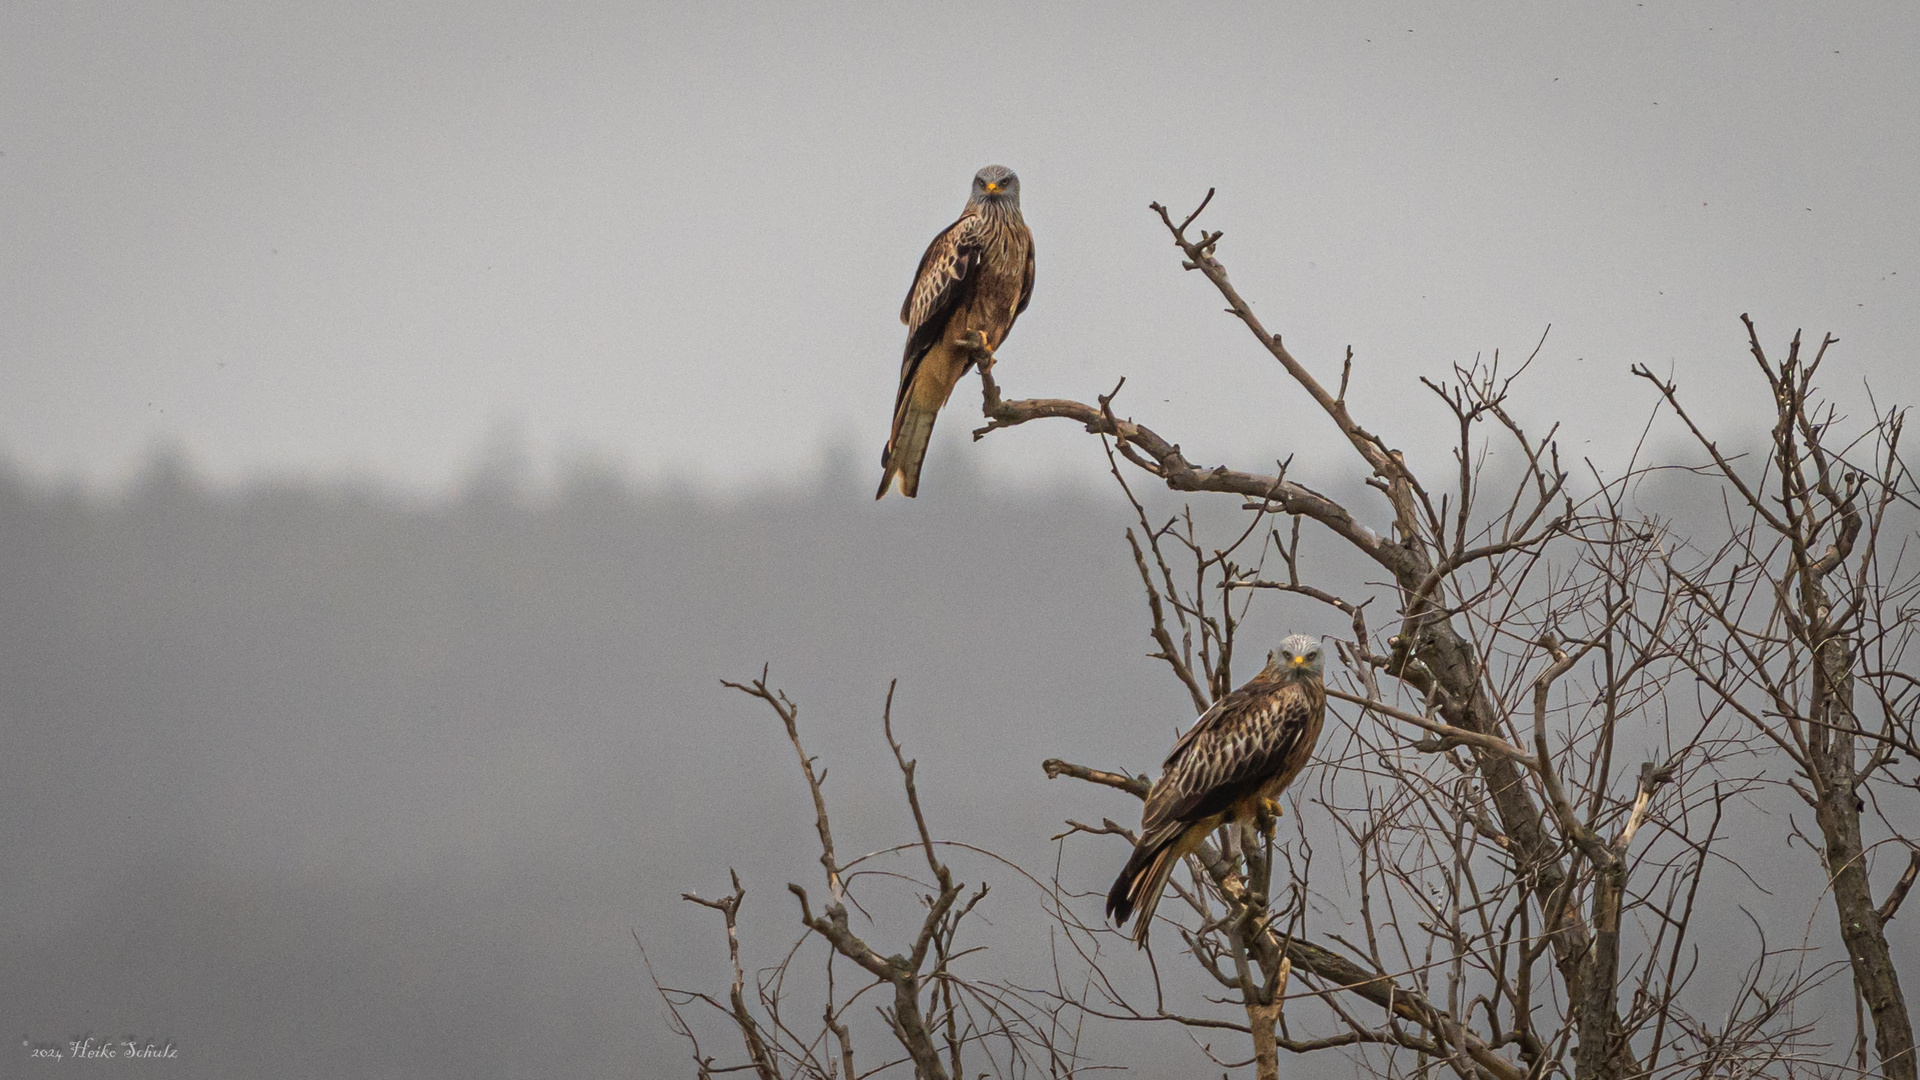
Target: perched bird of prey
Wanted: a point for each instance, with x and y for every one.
(1233, 762)
(974, 280)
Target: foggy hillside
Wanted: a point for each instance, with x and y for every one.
(316, 781)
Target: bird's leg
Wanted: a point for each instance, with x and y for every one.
(1256, 841)
(976, 343)
(1266, 814)
(1265, 818)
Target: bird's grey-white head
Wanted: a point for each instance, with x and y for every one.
(1299, 656)
(996, 185)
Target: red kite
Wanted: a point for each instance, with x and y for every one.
(974, 280)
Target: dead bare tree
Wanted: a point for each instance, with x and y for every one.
(1808, 613)
(1528, 802)
(939, 1018)
(1469, 796)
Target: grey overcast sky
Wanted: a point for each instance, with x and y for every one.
(336, 238)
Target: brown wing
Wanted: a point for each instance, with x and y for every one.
(945, 275)
(1026, 277)
(1232, 751)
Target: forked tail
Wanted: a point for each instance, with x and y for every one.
(912, 427)
(1137, 891)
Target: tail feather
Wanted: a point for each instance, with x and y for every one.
(912, 427)
(1137, 891)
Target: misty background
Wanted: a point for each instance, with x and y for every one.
(411, 412)
(318, 782)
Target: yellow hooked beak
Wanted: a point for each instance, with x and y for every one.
(992, 187)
